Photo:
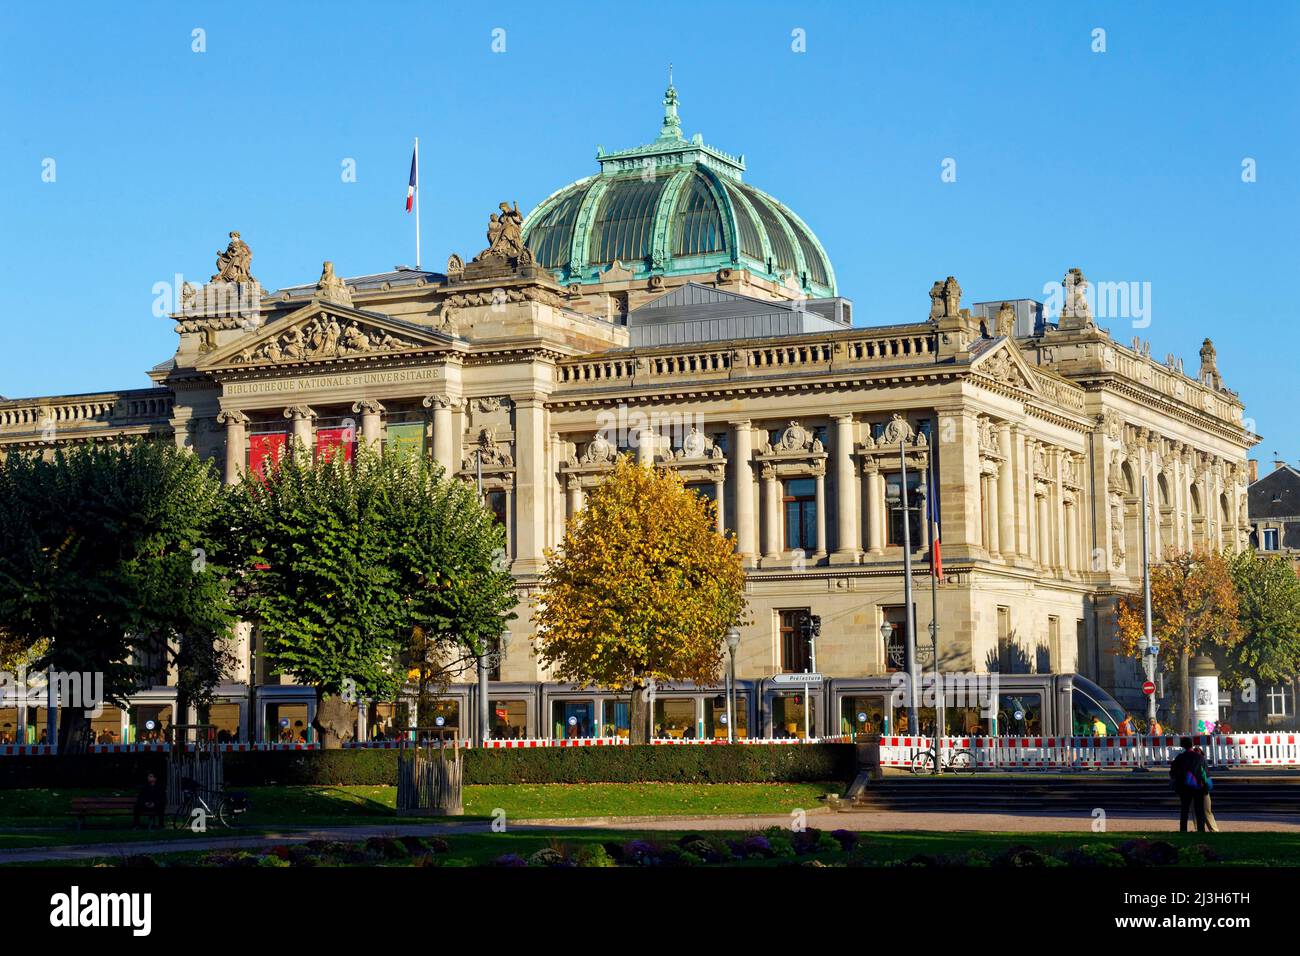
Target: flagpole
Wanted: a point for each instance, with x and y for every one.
(417, 202)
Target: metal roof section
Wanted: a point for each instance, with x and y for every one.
(698, 313)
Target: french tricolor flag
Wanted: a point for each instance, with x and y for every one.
(411, 187)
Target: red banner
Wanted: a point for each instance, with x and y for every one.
(330, 440)
(264, 452)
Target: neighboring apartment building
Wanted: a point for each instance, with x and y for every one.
(665, 308)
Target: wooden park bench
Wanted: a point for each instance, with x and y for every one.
(83, 807)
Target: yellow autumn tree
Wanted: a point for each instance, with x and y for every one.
(642, 590)
(1193, 611)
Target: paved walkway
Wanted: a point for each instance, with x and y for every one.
(867, 821)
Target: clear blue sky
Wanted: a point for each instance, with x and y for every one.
(1126, 163)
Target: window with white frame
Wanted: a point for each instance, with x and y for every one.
(1270, 539)
(1277, 700)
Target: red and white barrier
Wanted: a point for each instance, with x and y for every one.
(26, 750)
(1100, 753)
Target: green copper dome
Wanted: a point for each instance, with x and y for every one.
(674, 207)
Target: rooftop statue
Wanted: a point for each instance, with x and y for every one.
(234, 263)
(330, 287)
(505, 233)
(1076, 307)
(1006, 321)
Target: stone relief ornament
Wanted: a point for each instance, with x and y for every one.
(1116, 531)
(895, 430)
(1002, 368)
(599, 451)
(331, 288)
(794, 440)
(233, 265)
(696, 444)
(1115, 474)
(491, 404)
(323, 337)
(455, 265)
(487, 451)
(987, 439)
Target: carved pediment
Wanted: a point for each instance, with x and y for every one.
(323, 330)
(795, 439)
(1005, 365)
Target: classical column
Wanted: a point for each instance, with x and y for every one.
(645, 446)
(821, 514)
(301, 416)
(875, 507)
(371, 421)
(1006, 494)
(719, 487)
(771, 513)
(1071, 539)
(575, 497)
(530, 486)
(991, 498)
(236, 423)
(1044, 544)
(846, 494)
(444, 438)
(746, 536)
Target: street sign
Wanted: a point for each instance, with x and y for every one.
(803, 680)
(1149, 688)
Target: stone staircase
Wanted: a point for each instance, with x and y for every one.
(1114, 791)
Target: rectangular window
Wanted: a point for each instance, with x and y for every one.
(1270, 539)
(1277, 701)
(573, 718)
(617, 719)
(715, 717)
(675, 718)
(800, 503)
(896, 642)
(1006, 655)
(509, 719)
(914, 513)
(788, 716)
(1020, 713)
(794, 646)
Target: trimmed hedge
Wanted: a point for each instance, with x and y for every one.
(714, 763)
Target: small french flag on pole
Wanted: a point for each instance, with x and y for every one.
(411, 187)
(936, 558)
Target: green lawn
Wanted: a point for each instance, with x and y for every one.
(39, 817)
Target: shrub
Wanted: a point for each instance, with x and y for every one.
(510, 859)
(1094, 855)
(755, 845)
(719, 763)
(271, 860)
(593, 854)
(547, 856)
(847, 839)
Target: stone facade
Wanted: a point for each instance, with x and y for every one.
(1040, 444)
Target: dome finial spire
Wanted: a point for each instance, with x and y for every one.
(672, 128)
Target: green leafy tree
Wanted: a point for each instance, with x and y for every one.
(1268, 608)
(108, 559)
(642, 590)
(357, 571)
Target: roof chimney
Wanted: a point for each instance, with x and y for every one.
(1277, 461)
(1252, 469)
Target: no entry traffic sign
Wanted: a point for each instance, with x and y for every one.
(1148, 688)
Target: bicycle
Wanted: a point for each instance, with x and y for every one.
(224, 807)
(955, 761)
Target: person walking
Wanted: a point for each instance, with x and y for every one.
(1188, 776)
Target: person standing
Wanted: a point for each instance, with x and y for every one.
(1207, 781)
(1189, 779)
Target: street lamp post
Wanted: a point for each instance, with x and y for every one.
(733, 641)
(897, 497)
